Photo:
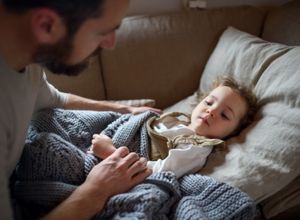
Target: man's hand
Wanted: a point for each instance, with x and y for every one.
(138, 110)
(77, 102)
(117, 173)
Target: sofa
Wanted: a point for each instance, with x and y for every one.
(168, 60)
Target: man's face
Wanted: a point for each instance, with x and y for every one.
(218, 114)
(69, 55)
(54, 57)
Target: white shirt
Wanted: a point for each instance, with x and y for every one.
(21, 94)
(184, 159)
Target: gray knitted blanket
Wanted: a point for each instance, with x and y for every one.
(54, 162)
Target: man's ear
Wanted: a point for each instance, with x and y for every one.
(47, 26)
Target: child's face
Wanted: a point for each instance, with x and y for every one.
(218, 114)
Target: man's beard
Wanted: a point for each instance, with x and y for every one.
(53, 57)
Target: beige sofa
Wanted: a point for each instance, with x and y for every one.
(172, 58)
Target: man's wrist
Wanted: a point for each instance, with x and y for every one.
(83, 198)
(90, 195)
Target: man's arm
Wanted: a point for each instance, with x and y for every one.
(116, 174)
(77, 102)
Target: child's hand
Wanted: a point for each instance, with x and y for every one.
(102, 146)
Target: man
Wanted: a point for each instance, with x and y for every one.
(60, 35)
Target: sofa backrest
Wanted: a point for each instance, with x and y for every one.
(88, 84)
(162, 57)
(282, 25)
(159, 57)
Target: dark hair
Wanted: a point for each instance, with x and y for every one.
(73, 12)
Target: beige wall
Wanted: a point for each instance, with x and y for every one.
(153, 6)
(161, 6)
(216, 3)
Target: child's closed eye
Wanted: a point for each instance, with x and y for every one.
(209, 103)
(225, 116)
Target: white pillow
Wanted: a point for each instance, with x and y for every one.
(186, 105)
(265, 157)
(136, 102)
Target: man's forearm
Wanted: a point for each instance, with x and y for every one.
(82, 204)
(78, 102)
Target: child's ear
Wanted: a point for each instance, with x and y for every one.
(47, 26)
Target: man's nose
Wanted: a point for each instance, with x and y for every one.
(109, 41)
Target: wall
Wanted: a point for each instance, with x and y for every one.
(161, 6)
(216, 3)
(153, 6)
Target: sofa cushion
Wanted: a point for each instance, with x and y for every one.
(264, 157)
(158, 54)
(282, 25)
(286, 198)
(136, 102)
(88, 84)
(185, 105)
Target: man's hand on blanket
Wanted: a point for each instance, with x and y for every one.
(138, 110)
(116, 174)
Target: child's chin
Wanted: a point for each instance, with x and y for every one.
(200, 131)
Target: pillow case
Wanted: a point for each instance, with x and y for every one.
(186, 105)
(264, 157)
(136, 102)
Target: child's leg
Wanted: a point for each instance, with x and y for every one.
(102, 146)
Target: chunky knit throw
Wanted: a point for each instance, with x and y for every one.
(54, 162)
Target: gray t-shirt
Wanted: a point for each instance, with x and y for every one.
(21, 94)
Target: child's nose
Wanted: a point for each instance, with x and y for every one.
(211, 112)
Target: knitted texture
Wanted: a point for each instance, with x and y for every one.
(162, 196)
(55, 162)
(56, 145)
(205, 198)
(130, 131)
(55, 149)
(151, 199)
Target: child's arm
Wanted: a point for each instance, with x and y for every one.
(102, 146)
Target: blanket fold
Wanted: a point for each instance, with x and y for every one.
(54, 163)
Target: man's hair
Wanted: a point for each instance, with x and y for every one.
(246, 92)
(73, 12)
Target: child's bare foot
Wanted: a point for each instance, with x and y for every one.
(102, 146)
